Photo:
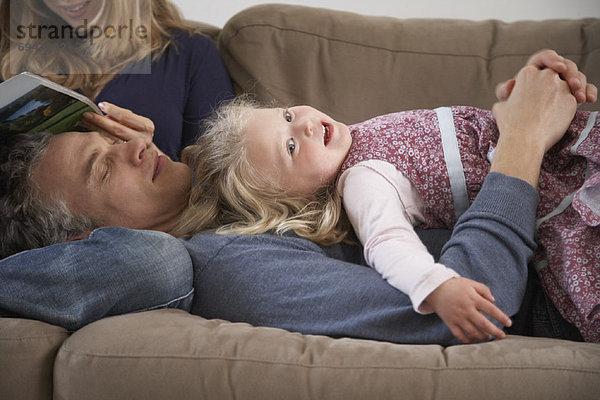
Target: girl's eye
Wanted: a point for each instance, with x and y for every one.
(288, 116)
(291, 146)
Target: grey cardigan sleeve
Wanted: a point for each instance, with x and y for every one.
(495, 239)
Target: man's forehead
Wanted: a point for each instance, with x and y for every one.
(69, 144)
(65, 154)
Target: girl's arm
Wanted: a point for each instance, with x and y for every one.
(383, 206)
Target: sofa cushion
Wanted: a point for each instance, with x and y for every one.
(170, 354)
(65, 284)
(354, 67)
(27, 351)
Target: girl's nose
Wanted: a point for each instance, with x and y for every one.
(307, 127)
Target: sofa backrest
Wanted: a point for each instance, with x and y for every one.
(355, 67)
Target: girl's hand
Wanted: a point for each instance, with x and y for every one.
(119, 123)
(460, 302)
(567, 70)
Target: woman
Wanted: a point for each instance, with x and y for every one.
(139, 54)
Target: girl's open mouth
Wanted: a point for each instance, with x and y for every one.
(326, 133)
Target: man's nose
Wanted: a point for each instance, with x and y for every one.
(135, 150)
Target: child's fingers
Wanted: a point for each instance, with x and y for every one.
(484, 291)
(489, 308)
(478, 329)
(486, 326)
(459, 333)
(494, 312)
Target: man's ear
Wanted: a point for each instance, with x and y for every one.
(81, 236)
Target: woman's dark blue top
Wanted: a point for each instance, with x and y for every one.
(184, 85)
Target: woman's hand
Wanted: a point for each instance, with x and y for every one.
(119, 123)
(460, 302)
(567, 70)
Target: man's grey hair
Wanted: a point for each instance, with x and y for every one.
(26, 220)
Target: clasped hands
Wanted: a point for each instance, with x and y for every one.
(534, 111)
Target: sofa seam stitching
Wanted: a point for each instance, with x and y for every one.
(303, 365)
(491, 58)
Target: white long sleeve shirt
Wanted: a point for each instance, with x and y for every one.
(383, 207)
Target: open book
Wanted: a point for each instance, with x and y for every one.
(30, 103)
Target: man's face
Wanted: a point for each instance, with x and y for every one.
(132, 184)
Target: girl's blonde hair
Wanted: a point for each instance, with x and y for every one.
(229, 194)
(87, 65)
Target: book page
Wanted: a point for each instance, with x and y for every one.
(29, 103)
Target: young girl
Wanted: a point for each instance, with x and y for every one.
(282, 169)
(138, 54)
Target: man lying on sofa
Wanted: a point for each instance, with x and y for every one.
(266, 280)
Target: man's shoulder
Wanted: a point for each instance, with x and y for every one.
(210, 247)
(213, 244)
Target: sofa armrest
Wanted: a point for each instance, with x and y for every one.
(27, 351)
(171, 354)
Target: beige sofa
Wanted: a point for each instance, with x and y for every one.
(353, 67)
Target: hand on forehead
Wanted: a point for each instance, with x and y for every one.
(119, 123)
